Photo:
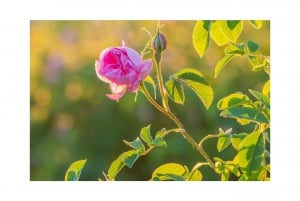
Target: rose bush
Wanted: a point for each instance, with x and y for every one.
(123, 69)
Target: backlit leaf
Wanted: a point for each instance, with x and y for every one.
(136, 144)
(231, 29)
(201, 36)
(74, 170)
(130, 157)
(236, 139)
(266, 89)
(251, 47)
(251, 153)
(115, 167)
(217, 35)
(169, 171)
(234, 49)
(261, 97)
(256, 23)
(223, 142)
(146, 135)
(221, 64)
(233, 100)
(195, 80)
(245, 112)
(175, 90)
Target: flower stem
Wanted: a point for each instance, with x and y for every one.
(181, 130)
(162, 90)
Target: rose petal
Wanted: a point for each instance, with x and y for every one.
(97, 68)
(145, 68)
(116, 97)
(134, 56)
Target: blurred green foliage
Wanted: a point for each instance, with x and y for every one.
(72, 119)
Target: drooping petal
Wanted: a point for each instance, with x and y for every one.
(117, 91)
(116, 96)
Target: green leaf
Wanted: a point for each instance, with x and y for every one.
(234, 49)
(217, 35)
(231, 29)
(259, 63)
(245, 112)
(175, 90)
(195, 80)
(115, 167)
(251, 47)
(223, 141)
(266, 89)
(146, 135)
(127, 158)
(251, 153)
(256, 23)
(159, 142)
(168, 171)
(261, 97)
(159, 134)
(201, 36)
(236, 139)
(221, 64)
(130, 157)
(136, 144)
(74, 170)
(233, 100)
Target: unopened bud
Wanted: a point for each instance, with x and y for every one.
(159, 43)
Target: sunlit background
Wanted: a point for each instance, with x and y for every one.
(72, 119)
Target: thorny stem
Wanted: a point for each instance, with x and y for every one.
(181, 130)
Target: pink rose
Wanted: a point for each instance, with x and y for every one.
(123, 69)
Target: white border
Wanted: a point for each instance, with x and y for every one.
(285, 90)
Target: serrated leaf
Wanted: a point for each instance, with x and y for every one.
(175, 90)
(130, 157)
(223, 142)
(231, 29)
(266, 89)
(221, 64)
(146, 135)
(261, 97)
(74, 170)
(195, 80)
(201, 36)
(136, 144)
(233, 100)
(251, 153)
(234, 49)
(256, 23)
(245, 112)
(164, 171)
(236, 139)
(251, 47)
(217, 35)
